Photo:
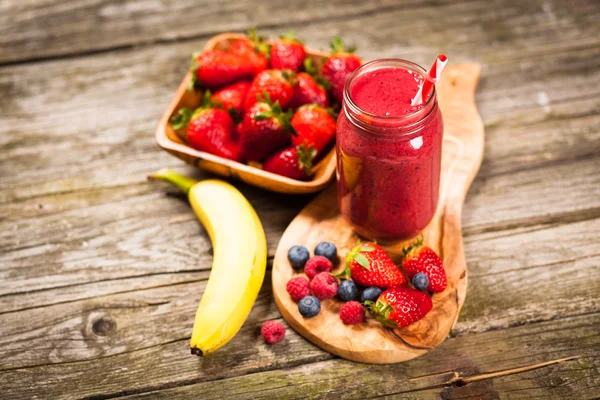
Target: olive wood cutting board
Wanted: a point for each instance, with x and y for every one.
(320, 220)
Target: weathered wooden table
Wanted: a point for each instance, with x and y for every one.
(101, 272)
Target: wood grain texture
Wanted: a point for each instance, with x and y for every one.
(76, 123)
(475, 367)
(462, 152)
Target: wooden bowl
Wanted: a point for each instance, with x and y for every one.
(166, 138)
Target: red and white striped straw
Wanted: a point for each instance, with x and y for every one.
(433, 75)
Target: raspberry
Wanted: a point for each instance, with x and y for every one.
(317, 264)
(273, 332)
(324, 286)
(298, 288)
(352, 313)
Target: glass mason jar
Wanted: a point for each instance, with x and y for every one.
(388, 166)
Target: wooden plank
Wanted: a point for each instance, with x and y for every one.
(61, 336)
(524, 361)
(121, 88)
(133, 95)
(112, 185)
(117, 24)
(531, 197)
(154, 234)
(120, 25)
(99, 112)
(157, 368)
(139, 236)
(123, 142)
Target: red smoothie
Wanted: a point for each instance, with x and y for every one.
(388, 152)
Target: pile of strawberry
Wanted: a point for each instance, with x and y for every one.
(387, 293)
(269, 104)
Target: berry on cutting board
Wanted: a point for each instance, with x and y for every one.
(352, 313)
(370, 293)
(400, 306)
(316, 265)
(309, 306)
(369, 265)
(327, 249)
(298, 256)
(324, 286)
(298, 288)
(420, 281)
(347, 290)
(273, 332)
(420, 258)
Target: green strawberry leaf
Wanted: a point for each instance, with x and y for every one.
(309, 67)
(263, 115)
(362, 260)
(306, 154)
(338, 47)
(416, 245)
(193, 69)
(367, 248)
(182, 118)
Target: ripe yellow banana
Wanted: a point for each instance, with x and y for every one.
(239, 259)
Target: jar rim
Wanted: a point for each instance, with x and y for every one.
(399, 62)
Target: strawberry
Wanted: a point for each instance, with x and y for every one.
(279, 84)
(287, 53)
(419, 258)
(294, 162)
(311, 88)
(314, 125)
(216, 68)
(369, 265)
(308, 91)
(338, 67)
(254, 49)
(264, 129)
(232, 97)
(209, 129)
(399, 307)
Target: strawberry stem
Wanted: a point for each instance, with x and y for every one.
(416, 245)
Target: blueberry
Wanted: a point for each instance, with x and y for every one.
(309, 306)
(347, 290)
(420, 281)
(370, 293)
(298, 256)
(327, 249)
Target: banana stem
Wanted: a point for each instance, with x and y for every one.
(181, 182)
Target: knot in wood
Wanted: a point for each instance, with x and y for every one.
(104, 326)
